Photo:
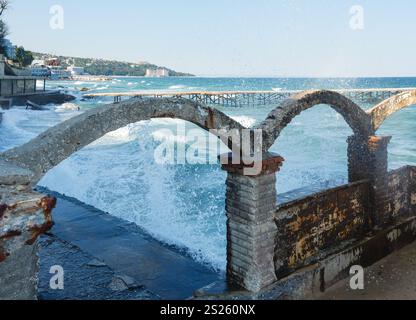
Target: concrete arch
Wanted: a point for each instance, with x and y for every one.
(385, 109)
(279, 118)
(56, 144)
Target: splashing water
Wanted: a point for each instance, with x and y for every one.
(183, 205)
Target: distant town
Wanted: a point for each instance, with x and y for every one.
(64, 67)
(20, 62)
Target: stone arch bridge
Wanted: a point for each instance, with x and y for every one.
(306, 245)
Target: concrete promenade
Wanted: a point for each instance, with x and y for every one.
(392, 278)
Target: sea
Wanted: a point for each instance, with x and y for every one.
(182, 204)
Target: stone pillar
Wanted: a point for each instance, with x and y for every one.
(1, 65)
(251, 230)
(19, 274)
(368, 159)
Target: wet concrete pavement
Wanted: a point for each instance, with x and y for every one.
(393, 278)
(84, 278)
(124, 248)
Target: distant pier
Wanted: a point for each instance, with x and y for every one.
(250, 98)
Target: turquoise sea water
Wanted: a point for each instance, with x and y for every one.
(183, 205)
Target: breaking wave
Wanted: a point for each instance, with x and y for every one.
(118, 174)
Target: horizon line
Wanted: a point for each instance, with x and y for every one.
(231, 75)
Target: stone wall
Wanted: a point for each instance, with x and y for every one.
(310, 227)
(398, 186)
(402, 190)
(16, 86)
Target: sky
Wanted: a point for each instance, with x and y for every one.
(276, 38)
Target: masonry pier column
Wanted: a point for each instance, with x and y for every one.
(368, 159)
(251, 230)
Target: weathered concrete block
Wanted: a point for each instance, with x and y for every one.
(11, 174)
(18, 274)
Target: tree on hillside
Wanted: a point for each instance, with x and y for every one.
(23, 58)
(4, 30)
(4, 5)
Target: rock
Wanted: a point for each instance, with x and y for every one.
(11, 174)
(122, 283)
(34, 106)
(129, 281)
(84, 89)
(96, 263)
(21, 188)
(68, 106)
(118, 285)
(43, 99)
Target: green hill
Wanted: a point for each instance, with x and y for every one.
(102, 67)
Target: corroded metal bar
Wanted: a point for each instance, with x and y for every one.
(23, 217)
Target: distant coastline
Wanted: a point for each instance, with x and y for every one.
(104, 67)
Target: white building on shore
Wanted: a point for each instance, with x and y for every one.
(40, 71)
(51, 68)
(158, 73)
(76, 71)
(59, 73)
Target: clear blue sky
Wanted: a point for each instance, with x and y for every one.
(229, 37)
